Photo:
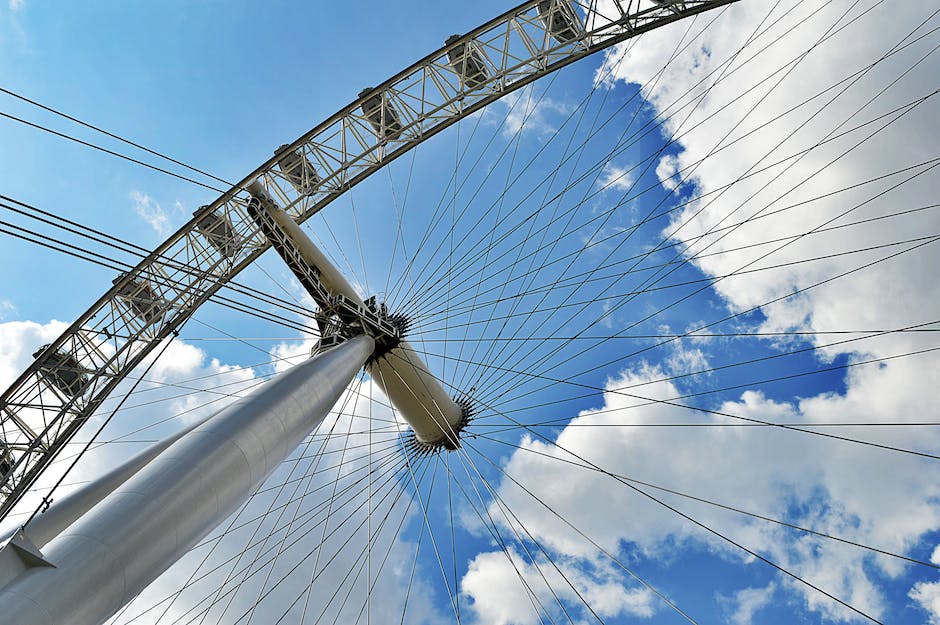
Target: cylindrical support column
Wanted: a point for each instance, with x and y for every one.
(115, 550)
(420, 398)
(65, 511)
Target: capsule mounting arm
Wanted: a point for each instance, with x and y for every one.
(395, 366)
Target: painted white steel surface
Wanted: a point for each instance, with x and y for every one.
(416, 394)
(401, 373)
(330, 276)
(141, 528)
(65, 511)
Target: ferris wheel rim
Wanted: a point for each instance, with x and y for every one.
(597, 389)
(655, 14)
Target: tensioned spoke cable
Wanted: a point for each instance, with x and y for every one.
(711, 530)
(613, 558)
(721, 413)
(675, 230)
(311, 514)
(652, 125)
(428, 287)
(453, 536)
(417, 292)
(699, 336)
(424, 514)
(545, 198)
(398, 207)
(390, 480)
(350, 396)
(671, 285)
(414, 567)
(478, 430)
(515, 522)
(828, 222)
(354, 571)
(440, 211)
(371, 582)
(76, 252)
(414, 495)
(705, 372)
(137, 252)
(716, 504)
(493, 528)
(107, 419)
(216, 540)
(740, 314)
(495, 352)
(463, 315)
(130, 159)
(680, 205)
(234, 526)
(461, 306)
(271, 532)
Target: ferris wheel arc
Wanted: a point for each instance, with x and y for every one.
(69, 378)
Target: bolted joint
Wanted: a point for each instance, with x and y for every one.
(348, 318)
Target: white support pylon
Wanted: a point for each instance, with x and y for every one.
(105, 558)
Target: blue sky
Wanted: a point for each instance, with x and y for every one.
(572, 371)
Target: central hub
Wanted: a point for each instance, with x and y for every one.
(395, 367)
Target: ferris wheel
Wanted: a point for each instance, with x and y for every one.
(519, 399)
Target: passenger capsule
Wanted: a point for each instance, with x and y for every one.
(63, 371)
(560, 20)
(219, 232)
(298, 170)
(465, 59)
(6, 459)
(140, 297)
(383, 118)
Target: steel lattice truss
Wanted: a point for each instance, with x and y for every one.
(71, 377)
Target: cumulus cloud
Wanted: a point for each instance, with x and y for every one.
(748, 602)
(152, 213)
(927, 594)
(505, 588)
(842, 489)
(616, 178)
(6, 308)
(771, 153)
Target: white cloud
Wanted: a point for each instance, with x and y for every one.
(17, 5)
(865, 495)
(755, 116)
(151, 212)
(748, 602)
(616, 178)
(18, 341)
(6, 307)
(507, 589)
(876, 498)
(667, 170)
(927, 594)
